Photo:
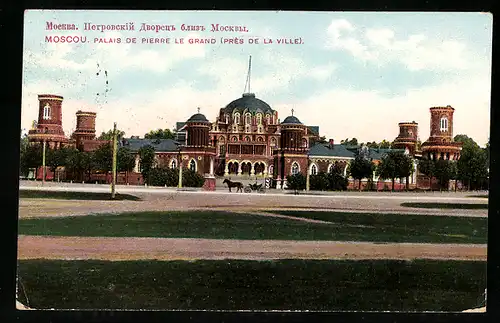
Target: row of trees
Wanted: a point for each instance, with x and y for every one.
(79, 165)
(153, 134)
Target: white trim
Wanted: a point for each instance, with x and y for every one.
(195, 164)
(331, 157)
(46, 112)
(173, 160)
(291, 167)
(310, 168)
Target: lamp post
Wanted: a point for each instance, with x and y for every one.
(43, 163)
(113, 173)
(307, 173)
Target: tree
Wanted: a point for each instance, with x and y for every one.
(146, 160)
(160, 134)
(404, 165)
(31, 157)
(394, 165)
(125, 160)
(361, 168)
(296, 182)
(102, 158)
(387, 169)
(473, 165)
(443, 171)
(109, 135)
(347, 142)
(319, 182)
(336, 180)
(57, 157)
(426, 167)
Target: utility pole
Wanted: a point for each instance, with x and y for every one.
(113, 181)
(43, 163)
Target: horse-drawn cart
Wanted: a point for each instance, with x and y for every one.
(254, 188)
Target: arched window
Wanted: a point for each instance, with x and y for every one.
(330, 168)
(227, 118)
(304, 142)
(271, 170)
(260, 139)
(192, 165)
(173, 164)
(235, 138)
(273, 142)
(268, 119)
(295, 168)
(237, 118)
(314, 169)
(444, 124)
(46, 112)
(247, 138)
(259, 118)
(248, 118)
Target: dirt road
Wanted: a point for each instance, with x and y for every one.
(111, 248)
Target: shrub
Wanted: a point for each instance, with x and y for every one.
(296, 182)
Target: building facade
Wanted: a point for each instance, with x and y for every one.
(247, 140)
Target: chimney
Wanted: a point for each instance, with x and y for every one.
(331, 143)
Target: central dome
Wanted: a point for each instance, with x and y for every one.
(248, 102)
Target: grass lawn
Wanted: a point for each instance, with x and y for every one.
(70, 195)
(258, 285)
(435, 205)
(401, 227)
(226, 225)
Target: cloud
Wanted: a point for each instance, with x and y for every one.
(370, 115)
(381, 46)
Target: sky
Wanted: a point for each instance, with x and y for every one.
(353, 74)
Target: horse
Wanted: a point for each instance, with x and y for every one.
(230, 184)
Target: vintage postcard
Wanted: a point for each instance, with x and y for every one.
(254, 160)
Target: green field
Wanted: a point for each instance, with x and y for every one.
(70, 195)
(226, 225)
(456, 206)
(258, 285)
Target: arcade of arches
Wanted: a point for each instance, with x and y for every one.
(235, 167)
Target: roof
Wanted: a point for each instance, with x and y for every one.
(160, 145)
(248, 102)
(179, 125)
(198, 117)
(291, 120)
(314, 129)
(325, 150)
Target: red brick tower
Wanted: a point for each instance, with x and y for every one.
(197, 128)
(292, 157)
(85, 127)
(49, 127)
(198, 154)
(440, 144)
(408, 137)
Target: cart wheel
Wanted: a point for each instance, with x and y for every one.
(248, 190)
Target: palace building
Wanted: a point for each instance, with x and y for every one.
(247, 140)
